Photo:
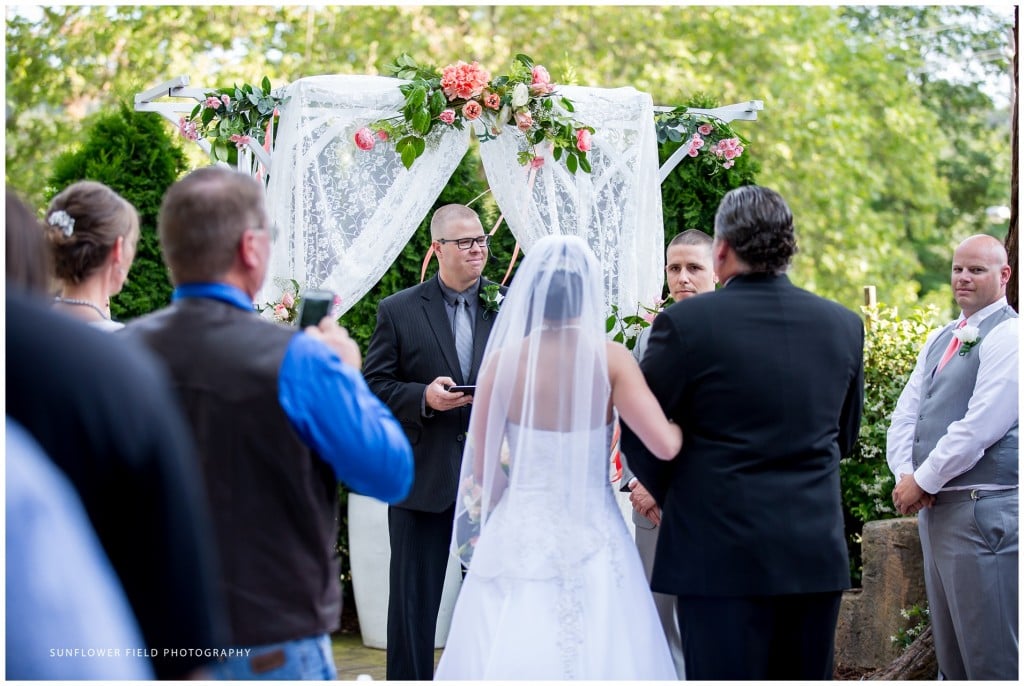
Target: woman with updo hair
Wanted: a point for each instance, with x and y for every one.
(93, 233)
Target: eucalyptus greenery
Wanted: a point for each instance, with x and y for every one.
(229, 117)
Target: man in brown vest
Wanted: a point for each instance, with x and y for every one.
(279, 416)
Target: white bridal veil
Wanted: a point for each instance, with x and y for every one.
(538, 437)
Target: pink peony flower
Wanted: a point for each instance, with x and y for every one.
(213, 102)
(448, 116)
(583, 140)
(524, 120)
(461, 80)
(287, 299)
(471, 110)
(226, 100)
(382, 135)
(705, 129)
(365, 140)
(187, 129)
(541, 80)
(240, 141)
(492, 100)
(536, 163)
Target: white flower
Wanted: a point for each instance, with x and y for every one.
(499, 296)
(520, 95)
(63, 221)
(967, 334)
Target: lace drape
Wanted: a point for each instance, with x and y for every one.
(616, 208)
(345, 214)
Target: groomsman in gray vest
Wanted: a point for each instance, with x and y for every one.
(689, 271)
(953, 449)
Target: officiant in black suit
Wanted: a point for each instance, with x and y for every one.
(429, 337)
(766, 380)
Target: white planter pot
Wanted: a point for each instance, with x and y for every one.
(370, 555)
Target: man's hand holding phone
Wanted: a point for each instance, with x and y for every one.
(442, 396)
(315, 320)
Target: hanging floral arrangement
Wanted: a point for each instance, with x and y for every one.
(524, 99)
(231, 118)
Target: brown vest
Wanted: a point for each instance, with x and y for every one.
(273, 502)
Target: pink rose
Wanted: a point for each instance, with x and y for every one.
(728, 164)
(212, 102)
(471, 110)
(693, 152)
(492, 100)
(187, 128)
(705, 129)
(365, 140)
(461, 80)
(696, 142)
(448, 116)
(382, 135)
(281, 312)
(524, 120)
(287, 299)
(536, 163)
(226, 100)
(239, 141)
(583, 140)
(541, 80)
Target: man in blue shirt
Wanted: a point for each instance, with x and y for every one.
(279, 416)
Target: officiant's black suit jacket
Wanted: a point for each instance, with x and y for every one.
(766, 381)
(412, 345)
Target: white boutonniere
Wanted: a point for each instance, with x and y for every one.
(969, 336)
(491, 297)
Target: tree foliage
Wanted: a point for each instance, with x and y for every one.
(885, 156)
(132, 153)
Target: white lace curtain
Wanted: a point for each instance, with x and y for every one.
(345, 214)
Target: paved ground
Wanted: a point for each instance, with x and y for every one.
(352, 658)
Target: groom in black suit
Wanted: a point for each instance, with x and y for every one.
(429, 337)
(766, 380)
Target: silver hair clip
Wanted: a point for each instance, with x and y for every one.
(62, 220)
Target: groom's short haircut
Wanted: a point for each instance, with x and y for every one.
(202, 219)
(445, 216)
(758, 225)
(691, 237)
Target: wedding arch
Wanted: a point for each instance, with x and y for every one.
(346, 213)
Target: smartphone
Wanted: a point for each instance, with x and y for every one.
(468, 390)
(315, 306)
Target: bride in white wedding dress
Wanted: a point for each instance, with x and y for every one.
(555, 588)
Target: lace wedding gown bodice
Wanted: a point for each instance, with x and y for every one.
(556, 589)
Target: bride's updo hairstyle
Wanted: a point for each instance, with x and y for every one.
(564, 297)
(83, 224)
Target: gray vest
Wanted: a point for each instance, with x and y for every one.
(944, 399)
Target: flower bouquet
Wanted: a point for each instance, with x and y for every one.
(525, 99)
(713, 142)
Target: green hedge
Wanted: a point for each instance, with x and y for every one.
(891, 345)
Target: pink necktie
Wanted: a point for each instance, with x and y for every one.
(951, 349)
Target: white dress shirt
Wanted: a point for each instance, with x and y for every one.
(991, 412)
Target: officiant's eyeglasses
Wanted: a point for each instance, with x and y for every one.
(467, 243)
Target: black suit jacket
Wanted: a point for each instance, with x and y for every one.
(766, 381)
(411, 346)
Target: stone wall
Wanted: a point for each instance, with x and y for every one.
(893, 579)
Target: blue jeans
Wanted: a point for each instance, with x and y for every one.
(302, 659)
